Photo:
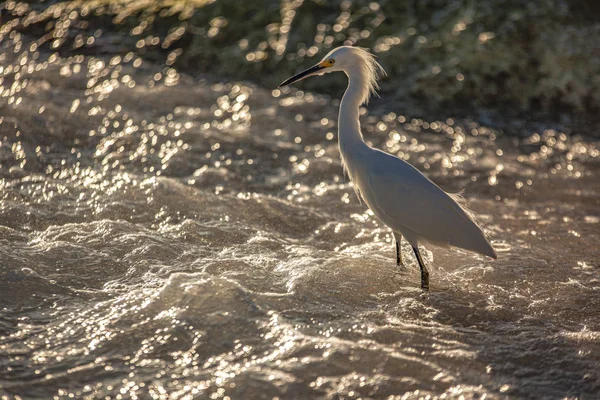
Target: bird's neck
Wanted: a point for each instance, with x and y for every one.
(349, 134)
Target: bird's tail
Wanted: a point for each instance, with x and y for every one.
(482, 245)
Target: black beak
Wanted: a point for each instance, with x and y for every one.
(304, 74)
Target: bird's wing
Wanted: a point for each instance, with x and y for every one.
(408, 201)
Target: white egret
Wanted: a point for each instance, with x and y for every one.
(398, 194)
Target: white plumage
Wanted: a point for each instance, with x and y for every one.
(398, 194)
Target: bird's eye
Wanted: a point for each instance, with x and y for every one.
(331, 62)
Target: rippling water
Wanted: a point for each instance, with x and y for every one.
(164, 236)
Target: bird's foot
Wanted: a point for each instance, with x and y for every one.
(425, 280)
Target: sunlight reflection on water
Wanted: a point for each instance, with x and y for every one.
(169, 237)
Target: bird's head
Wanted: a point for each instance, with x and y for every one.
(354, 61)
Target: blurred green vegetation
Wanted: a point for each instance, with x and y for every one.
(541, 54)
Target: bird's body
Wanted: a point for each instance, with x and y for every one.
(415, 207)
(398, 194)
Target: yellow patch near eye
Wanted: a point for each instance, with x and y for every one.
(327, 63)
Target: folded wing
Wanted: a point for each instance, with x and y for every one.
(408, 202)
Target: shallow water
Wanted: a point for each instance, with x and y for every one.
(165, 236)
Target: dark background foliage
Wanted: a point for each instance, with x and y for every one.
(535, 55)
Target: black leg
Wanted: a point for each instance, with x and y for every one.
(398, 254)
(424, 272)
